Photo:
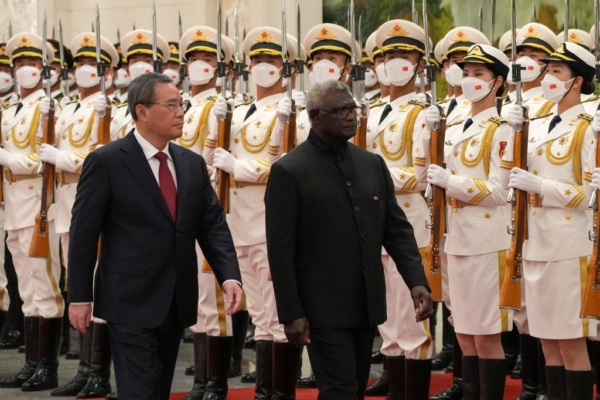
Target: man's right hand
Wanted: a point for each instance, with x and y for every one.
(80, 316)
(297, 332)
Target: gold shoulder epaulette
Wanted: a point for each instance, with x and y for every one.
(460, 121)
(120, 105)
(247, 103)
(40, 98)
(73, 97)
(593, 98)
(418, 103)
(587, 117)
(7, 104)
(212, 98)
(541, 116)
(498, 120)
(301, 108)
(378, 104)
(116, 102)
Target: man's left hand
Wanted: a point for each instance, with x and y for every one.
(80, 316)
(422, 301)
(234, 296)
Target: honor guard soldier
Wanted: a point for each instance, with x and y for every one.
(556, 252)
(373, 92)
(330, 48)
(22, 131)
(456, 45)
(6, 78)
(212, 333)
(398, 138)
(55, 82)
(122, 79)
(136, 47)
(256, 142)
(171, 67)
(77, 132)
(476, 242)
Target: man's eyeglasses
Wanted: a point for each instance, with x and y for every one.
(172, 106)
(342, 113)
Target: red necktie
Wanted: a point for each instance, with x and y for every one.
(167, 184)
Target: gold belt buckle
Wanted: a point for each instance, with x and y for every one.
(534, 200)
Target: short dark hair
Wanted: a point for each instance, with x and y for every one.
(142, 90)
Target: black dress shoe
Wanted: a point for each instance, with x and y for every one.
(454, 392)
(450, 368)
(516, 372)
(112, 396)
(249, 343)
(376, 357)
(442, 360)
(380, 387)
(72, 355)
(307, 383)
(189, 371)
(250, 377)
(12, 339)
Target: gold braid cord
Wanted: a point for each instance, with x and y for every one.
(201, 127)
(486, 149)
(251, 148)
(88, 131)
(30, 138)
(574, 151)
(407, 137)
(545, 109)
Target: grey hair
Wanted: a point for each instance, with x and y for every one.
(142, 90)
(315, 98)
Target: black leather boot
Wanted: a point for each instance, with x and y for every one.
(3, 319)
(580, 384)
(200, 367)
(470, 371)
(510, 343)
(418, 378)
(443, 359)
(264, 370)
(46, 373)
(529, 368)
(250, 377)
(76, 384)
(219, 356)
(98, 383)
(492, 378)
(381, 386)
(455, 391)
(377, 357)
(239, 322)
(395, 377)
(65, 340)
(112, 396)
(595, 359)
(556, 382)
(32, 354)
(286, 359)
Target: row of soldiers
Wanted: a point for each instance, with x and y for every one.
(478, 172)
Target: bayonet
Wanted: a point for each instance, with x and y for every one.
(480, 18)
(118, 35)
(221, 63)
(300, 60)
(134, 26)
(12, 65)
(93, 28)
(10, 30)
(566, 27)
(287, 66)
(64, 73)
(575, 21)
(493, 24)
(414, 12)
(156, 61)
(182, 70)
(226, 26)
(45, 66)
(534, 17)
(239, 64)
(101, 65)
(53, 33)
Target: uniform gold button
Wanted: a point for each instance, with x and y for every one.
(374, 145)
(568, 217)
(254, 137)
(456, 154)
(558, 153)
(234, 193)
(30, 187)
(456, 211)
(390, 142)
(8, 137)
(535, 172)
(64, 137)
(236, 140)
(540, 152)
(533, 212)
(407, 205)
(487, 216)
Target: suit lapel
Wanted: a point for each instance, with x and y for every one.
(183, 178)
(136, 162)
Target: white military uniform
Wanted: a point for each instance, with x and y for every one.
(477, 241)
(534, 99)
(22, 130)
(398, 140)
(122, 122)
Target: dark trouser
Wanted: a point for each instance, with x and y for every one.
(144, 358)
(341, 360)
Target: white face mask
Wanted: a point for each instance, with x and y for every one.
(53, 77)
(28, 77)
(326, 70)
(475, 89)
(174, 75)
(370, 78)
(6, 82)
(108, 81)
(530, 69)
(553, 88)
(454, 75)
(399, 71)
(139, 69)
(71, 80)
(265, 74)
(87, 76)
(200, 72)
(383, 79)
(122, 80)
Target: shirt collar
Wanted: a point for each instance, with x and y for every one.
(149, 150)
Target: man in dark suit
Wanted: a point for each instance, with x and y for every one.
(330, 209)
(149, 201)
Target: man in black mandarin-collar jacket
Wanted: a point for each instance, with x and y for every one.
(330, 209)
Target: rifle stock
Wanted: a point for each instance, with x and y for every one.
(223, 177)
(289, 135)
(590, 303)
(432, 260)
(510, 292)
(40, 241)
(104, 125)
(360, 140)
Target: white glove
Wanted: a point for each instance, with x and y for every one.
(186, 97)
(299, 98)
(438, 176)
(526, 181)
(284, 109)
(224, 160)
(432, 116)
(100, 105)
(596, 123)
(64, 101)
(422, 97)
(48, 153)
(4, 157)
(515, 115)
(595, 178)
(220, 108)
(239, 99)
(45, 106)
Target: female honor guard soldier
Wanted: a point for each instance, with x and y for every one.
(556, 252)
(476, 242)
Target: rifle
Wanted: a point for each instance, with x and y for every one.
(510, 291)
(289, 134)
(223, 140)
(185, 85)
(590, 304)
(104, 122)
(40, 241)
(358, 79)
(436, 196)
